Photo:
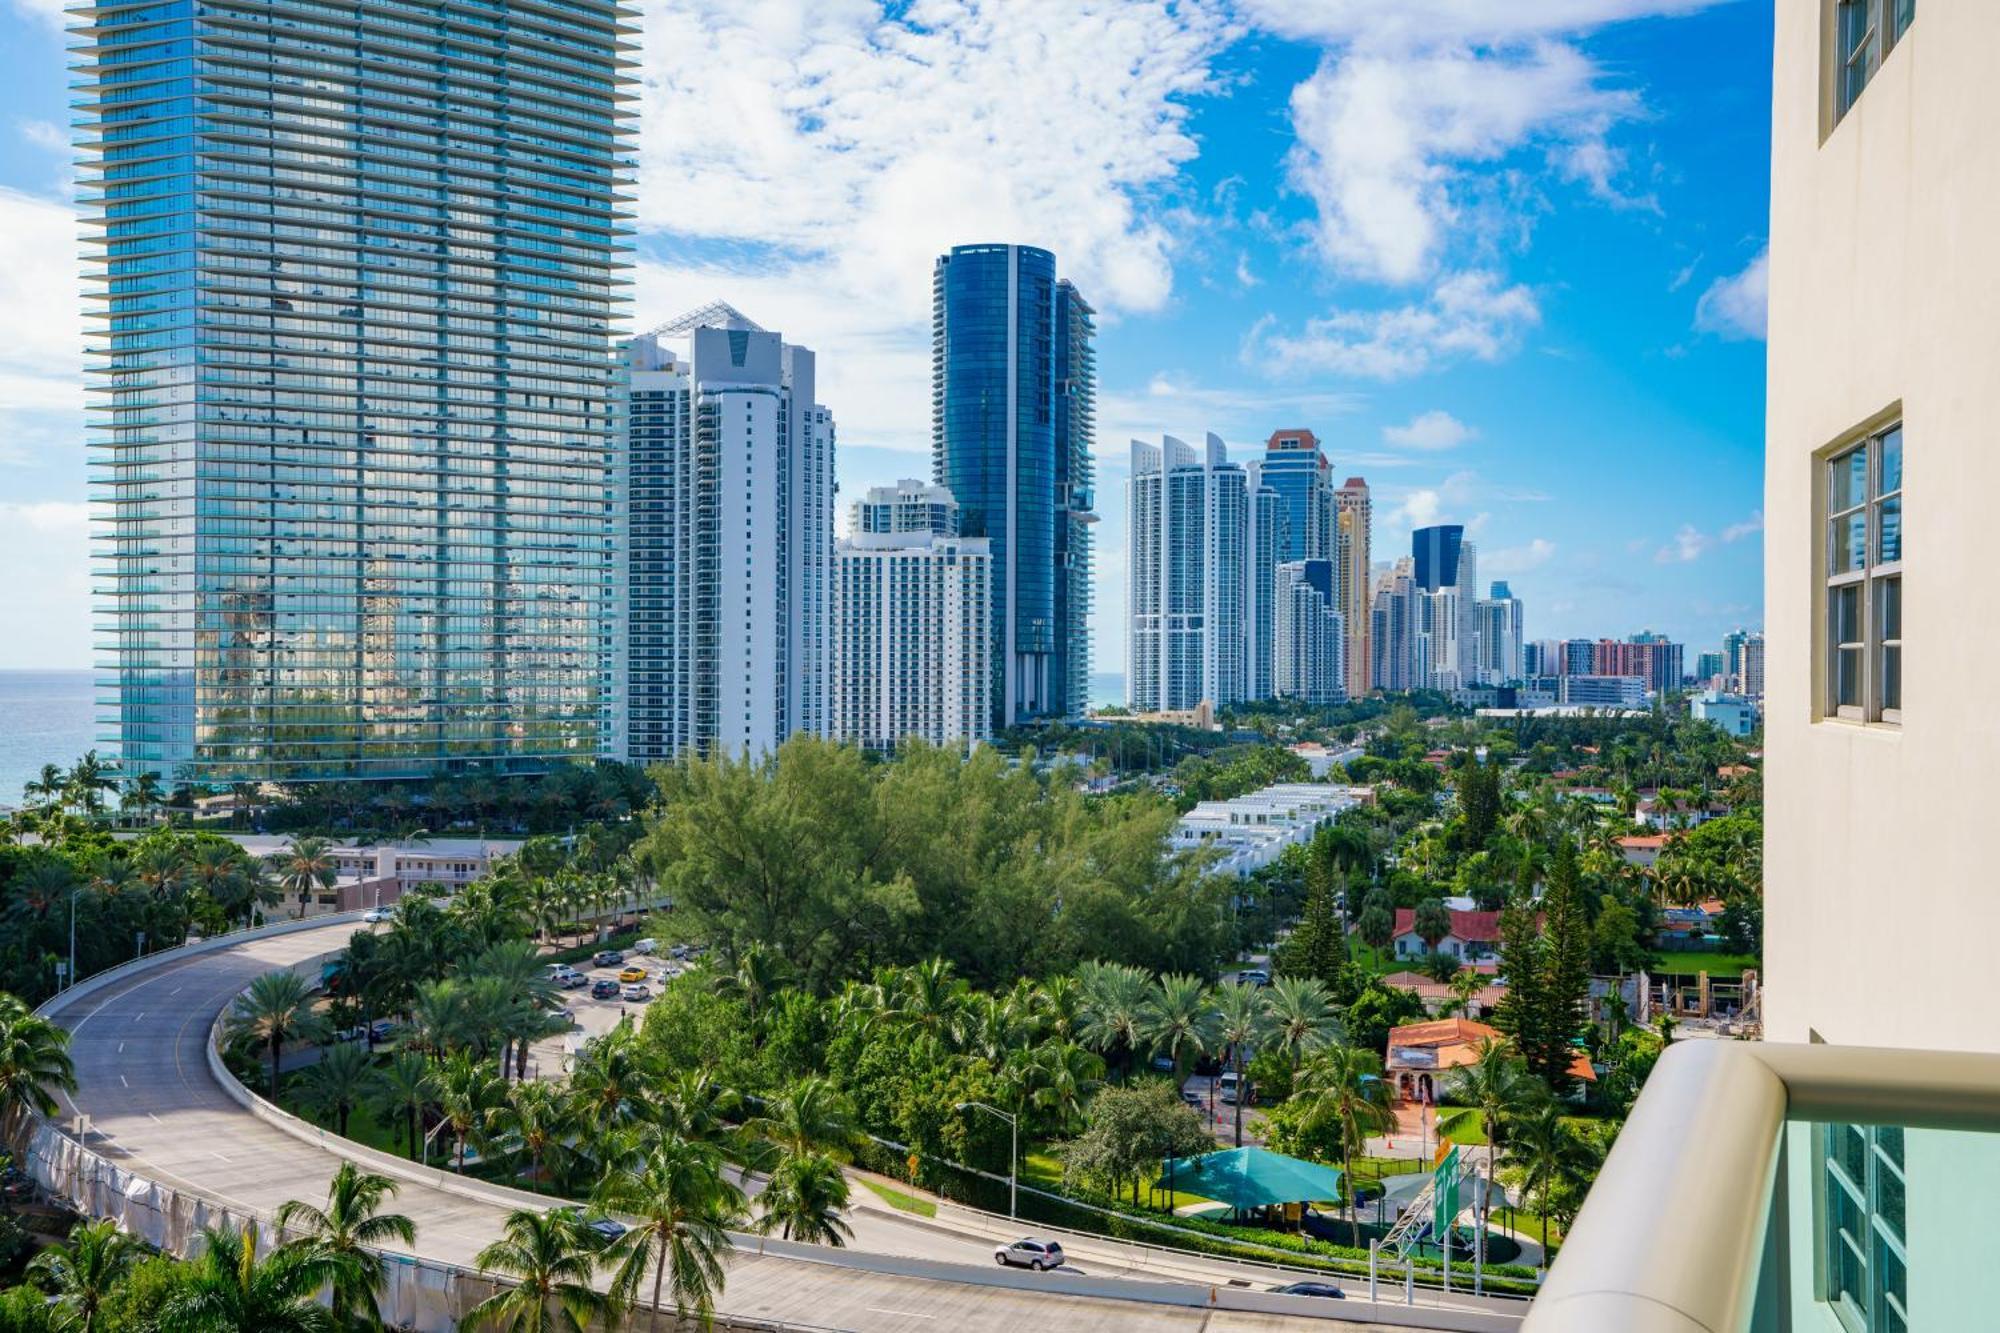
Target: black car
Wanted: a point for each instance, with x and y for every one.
(604, 988)
(607, 958)
(1325, 1289)
(604, 1229)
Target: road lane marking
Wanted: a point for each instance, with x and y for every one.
(141, 1015)
(121, 1048)
(121, 1079)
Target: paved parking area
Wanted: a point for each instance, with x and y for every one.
(592, 1017)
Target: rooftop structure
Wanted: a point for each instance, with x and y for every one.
(1253, 830)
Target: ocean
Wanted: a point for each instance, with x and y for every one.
(46, 717)
(1107, 688)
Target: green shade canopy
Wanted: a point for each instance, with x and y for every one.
(1250, 1178)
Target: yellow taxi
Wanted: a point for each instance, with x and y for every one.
(633, 973)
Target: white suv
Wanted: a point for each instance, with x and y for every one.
(1028, 1252)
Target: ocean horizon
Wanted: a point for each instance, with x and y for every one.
(46, 717)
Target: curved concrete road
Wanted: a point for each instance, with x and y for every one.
(154, 1107)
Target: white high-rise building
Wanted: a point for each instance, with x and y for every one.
(1190, 566)
(1310, 659)
(1499, 646)
(911, 630)
(1266, 536)
(730, 486)
(1393, 622)
(908, 506)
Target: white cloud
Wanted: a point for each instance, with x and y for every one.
(1517, 559)
(1178, 405)
(45, 549)
(1686, 546)
(45, 134)
(1411, 98)
(1430, 430)
(1734, 307)
(1738, 531)
(1472, 314)
(41, 318)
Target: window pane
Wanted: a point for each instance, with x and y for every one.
(1850, 1149)
(1849, 542)
(1889, 1201)
(1890, 519)
(1891, 445)
(1847, 480)
(1892, 678)
(1905, 11)
(1895, 1293)
(1847, 678)
(1844, 614)
(1889, 608)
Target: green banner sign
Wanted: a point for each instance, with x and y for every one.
(1444, 1193)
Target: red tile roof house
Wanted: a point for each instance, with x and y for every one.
(1642, 849)
(1436, 995)
(1420, 1054)
(1473, 935)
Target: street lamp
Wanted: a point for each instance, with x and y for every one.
(1013, 1149)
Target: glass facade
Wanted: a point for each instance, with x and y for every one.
(1436, 551)
(1294, 467)
(1012, 402)
(357, 266)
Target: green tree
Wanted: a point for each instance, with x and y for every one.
(341, 1080)
(1318, 946)
(1478, 802)
(345, 1239)
(81, 1273)
(466, 1091)
(537, 1121)
(1302, 1016)
(682, 1206)
(1178, 1019)
(1548, 1158)
(550, 1257)
(1345, 1085)
(1130, 1128)
(402, 1090)
(803, 1198)
(1496, 1088)
(1114, 1008)
(304, 866)
(227, 1289)
(34, 1065)
(277, 1008)
(1243, 1019)
(1431, 922)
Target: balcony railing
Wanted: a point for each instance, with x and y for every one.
(1766, 1186)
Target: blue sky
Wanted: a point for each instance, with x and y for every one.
(1505, 259)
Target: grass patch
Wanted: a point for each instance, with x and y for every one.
(895, 1198)
(1715, 964)
(1461, 1125)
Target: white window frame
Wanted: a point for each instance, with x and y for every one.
(1851, 68)
(1870, 582)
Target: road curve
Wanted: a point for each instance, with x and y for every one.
(155, 1108)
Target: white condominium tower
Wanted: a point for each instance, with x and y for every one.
(1191, 561)
(730, 491)
(1499, 637)
(1310, 662)
(911, 623)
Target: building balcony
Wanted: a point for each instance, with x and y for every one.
(1765, 1186)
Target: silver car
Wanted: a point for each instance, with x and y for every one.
(1028, 1252)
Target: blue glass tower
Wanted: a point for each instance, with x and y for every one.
(1021, 479)
(1437, 550)
(357, 264)
(1294, 467)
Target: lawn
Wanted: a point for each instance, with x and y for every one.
(1041, 1169)
(1715, 964)
(1464, 1128)
(895, 1198)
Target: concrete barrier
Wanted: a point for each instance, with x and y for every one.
(98, 981)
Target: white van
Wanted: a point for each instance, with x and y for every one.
(1226, 1086)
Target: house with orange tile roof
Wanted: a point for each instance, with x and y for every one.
(1438, 994)
(1642, 849)
(1420, 1054)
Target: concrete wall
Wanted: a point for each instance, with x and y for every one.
(1885, 291)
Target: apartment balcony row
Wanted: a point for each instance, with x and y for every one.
(1767, 1186)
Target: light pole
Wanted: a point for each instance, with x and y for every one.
(70, 980)
(1013, 1148)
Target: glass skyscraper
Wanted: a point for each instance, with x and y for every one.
(1294, 467)
(1012, 401)
(353, 449)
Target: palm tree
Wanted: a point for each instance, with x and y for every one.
(1065, 1075)
(228, 1290)
(160, 868)
(342, 1080)
(47, 788)
(403, 1087)
(81, 1273)
(811, 1115)
(34, 1065)
(682, 1206)
(346, 1238)
(1496, 1087)
(1547, 1156)
(144, 795)
(1243, 1018)
(802, 1201)
(550, 1257)
(467, 1091)
(1302, 1017)
(305, 864)
(1178, 1018)
(1345, 1085)
(276, 1008)
(1114, 1007)
(535, 1122)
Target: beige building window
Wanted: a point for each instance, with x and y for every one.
(1864, 579)
(1864, 31)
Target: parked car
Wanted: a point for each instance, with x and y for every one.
(572, 981)
(375, 916)
(1028, 1252)
(350, 1034)
(1255, 976)
(647, 945)
(604, 988)
(1191, 1097)
(1325, 1289)
(633, 973)
(382, 1029)
(606, 1229)
(1228, 1085)
(638, 992)
(607, 958)
(679, 951)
